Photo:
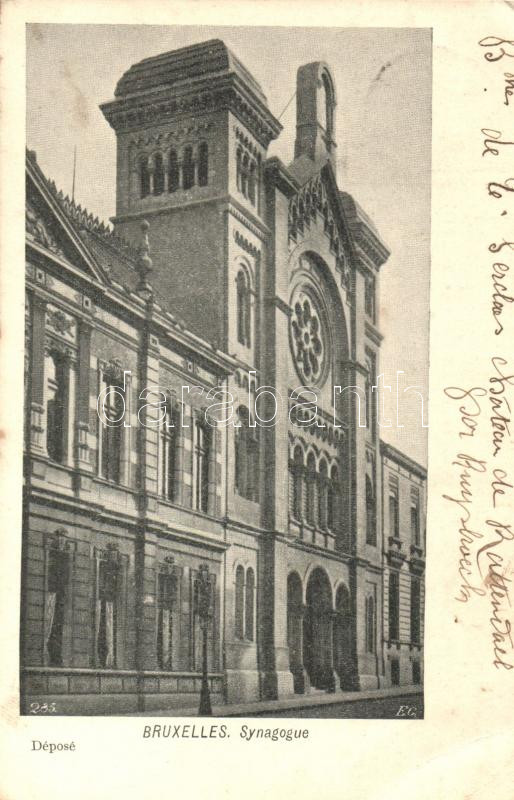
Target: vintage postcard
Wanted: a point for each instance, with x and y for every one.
(258, 370)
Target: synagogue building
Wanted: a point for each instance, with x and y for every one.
(225, 271)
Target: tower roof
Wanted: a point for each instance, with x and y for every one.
(188, 63)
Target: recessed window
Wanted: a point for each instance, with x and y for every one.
(310, 480)
(246, 457)
(414, 524)
(188, 168)
(244, 603)
(203, 164)
(323, 495)
(173, 172)
(415, 610)
(370, 625)
(297, 469)
(56, 405)
(158, 174)
(394, 515)
(249, 604)
(239, 602)
(371, 531)
(333, 499)
(144, 176)
(247, 175)
(202, 450)
(244, 309)
(394, 606)
(168, 455)
(112, 430)
(107, 611)
(166, 596)
(58, 576)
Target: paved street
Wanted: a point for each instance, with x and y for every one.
(379, 708)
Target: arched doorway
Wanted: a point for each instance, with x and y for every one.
(343, 658)
(317, 632)
(295, 611)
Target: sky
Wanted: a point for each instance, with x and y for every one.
(383, 130)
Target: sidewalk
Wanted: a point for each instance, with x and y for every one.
(286, 704)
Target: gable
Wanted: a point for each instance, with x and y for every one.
(49, 229)
(316, 205)
(352, 237)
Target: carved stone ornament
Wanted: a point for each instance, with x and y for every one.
(38, 230)
(60, 323)
(308, 339)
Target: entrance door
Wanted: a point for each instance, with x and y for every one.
(317, 631)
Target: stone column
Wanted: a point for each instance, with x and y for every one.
(37, 398)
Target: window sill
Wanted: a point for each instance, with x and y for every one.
(187, 509)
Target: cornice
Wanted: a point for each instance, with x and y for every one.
(210, 95)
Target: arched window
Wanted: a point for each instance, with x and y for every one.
(310, 504)
(144, 176)
(169, 436)
(246, 456)
(370, 625)
(323, 495)
(329, 106)
(56, 402)
(249, 603)
(239, 602)
(371, 533)
(158, 174)
(188, 168)
(244, 175)
(203, 164)
(243, 309)
(239, 168)
(173, 173)
(333, 500)
(251, 183)
(297, 483)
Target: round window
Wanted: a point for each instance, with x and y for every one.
(308, 339)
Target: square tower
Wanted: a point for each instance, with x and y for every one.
(192, 128)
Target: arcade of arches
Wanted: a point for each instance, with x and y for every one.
(319, 634)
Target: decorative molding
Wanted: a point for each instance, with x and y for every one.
(60, 323)
(38, 230)
(245, 245)
(155, 108)
(242, 137)
(177, 135)
(55, 345)
(304, 207)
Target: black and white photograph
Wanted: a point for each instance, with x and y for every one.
(226, 371)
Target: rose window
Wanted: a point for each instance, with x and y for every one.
(307, 339)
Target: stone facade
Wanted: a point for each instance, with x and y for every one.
(226, 271)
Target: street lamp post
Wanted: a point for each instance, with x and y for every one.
(203, 597)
